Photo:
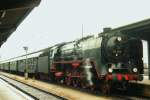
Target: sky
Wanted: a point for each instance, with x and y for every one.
(56, 21)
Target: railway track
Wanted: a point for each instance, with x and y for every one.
(35, 93)
(134, 93)
(131, 94)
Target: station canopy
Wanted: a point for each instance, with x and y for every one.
(12, 13)
(139, 29)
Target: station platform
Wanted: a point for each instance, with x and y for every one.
(7, 92)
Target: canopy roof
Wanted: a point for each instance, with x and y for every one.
(139, 29)
(12, 13)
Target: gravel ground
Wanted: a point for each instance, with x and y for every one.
(32, 91)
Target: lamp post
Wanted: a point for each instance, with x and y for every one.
(26, 67)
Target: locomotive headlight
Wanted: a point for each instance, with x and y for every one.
(135, 70)
(119, 38)
(110, 70)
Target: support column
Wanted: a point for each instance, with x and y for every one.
(149, 59)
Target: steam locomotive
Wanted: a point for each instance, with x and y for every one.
(89, 62)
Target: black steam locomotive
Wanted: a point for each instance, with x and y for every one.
(89, 62)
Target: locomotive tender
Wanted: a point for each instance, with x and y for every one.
(88, 62)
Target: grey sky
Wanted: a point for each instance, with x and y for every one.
(55, 21)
